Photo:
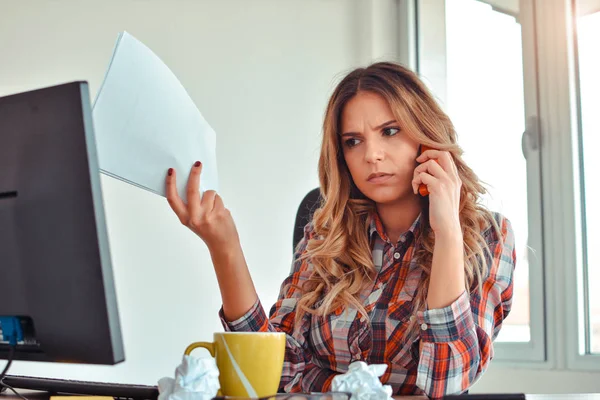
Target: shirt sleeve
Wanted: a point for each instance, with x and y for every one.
(457, 339)
(300, 373)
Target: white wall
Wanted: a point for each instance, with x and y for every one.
(260, 72)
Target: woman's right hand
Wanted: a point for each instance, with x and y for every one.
(208, 218)
(205, 215)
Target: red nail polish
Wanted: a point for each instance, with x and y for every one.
(197, 164)
(170, 171)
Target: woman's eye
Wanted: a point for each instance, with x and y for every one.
(390, 131)
(352, 142)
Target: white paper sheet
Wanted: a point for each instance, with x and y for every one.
(145, 123)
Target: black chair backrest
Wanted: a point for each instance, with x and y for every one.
(309, 204)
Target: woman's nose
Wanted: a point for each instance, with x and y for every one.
(374, 151)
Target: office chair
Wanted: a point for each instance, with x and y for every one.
(307, 207)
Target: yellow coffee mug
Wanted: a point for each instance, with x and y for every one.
(250, 363)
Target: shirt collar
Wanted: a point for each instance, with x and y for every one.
(377, 226)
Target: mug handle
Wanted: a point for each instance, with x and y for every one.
(206, 345)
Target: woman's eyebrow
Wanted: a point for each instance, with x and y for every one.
(376, 128)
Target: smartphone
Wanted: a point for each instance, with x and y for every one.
(422, 187)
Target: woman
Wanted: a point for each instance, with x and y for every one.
(382, 275)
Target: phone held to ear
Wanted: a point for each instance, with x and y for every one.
(422, 187)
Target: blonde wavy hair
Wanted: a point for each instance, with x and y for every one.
(340, 251)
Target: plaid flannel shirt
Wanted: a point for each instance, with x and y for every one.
(457, 339)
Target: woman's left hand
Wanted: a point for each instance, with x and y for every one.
(438, 172)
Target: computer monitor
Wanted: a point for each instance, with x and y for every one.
(55, 265)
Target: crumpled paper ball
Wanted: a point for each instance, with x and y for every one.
(195, 379)
(363, 382)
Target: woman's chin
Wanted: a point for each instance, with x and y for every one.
(388, 196)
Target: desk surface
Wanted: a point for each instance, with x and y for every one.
(35, 395)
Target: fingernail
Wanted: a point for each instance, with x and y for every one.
(197, 164)
(170, 171)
